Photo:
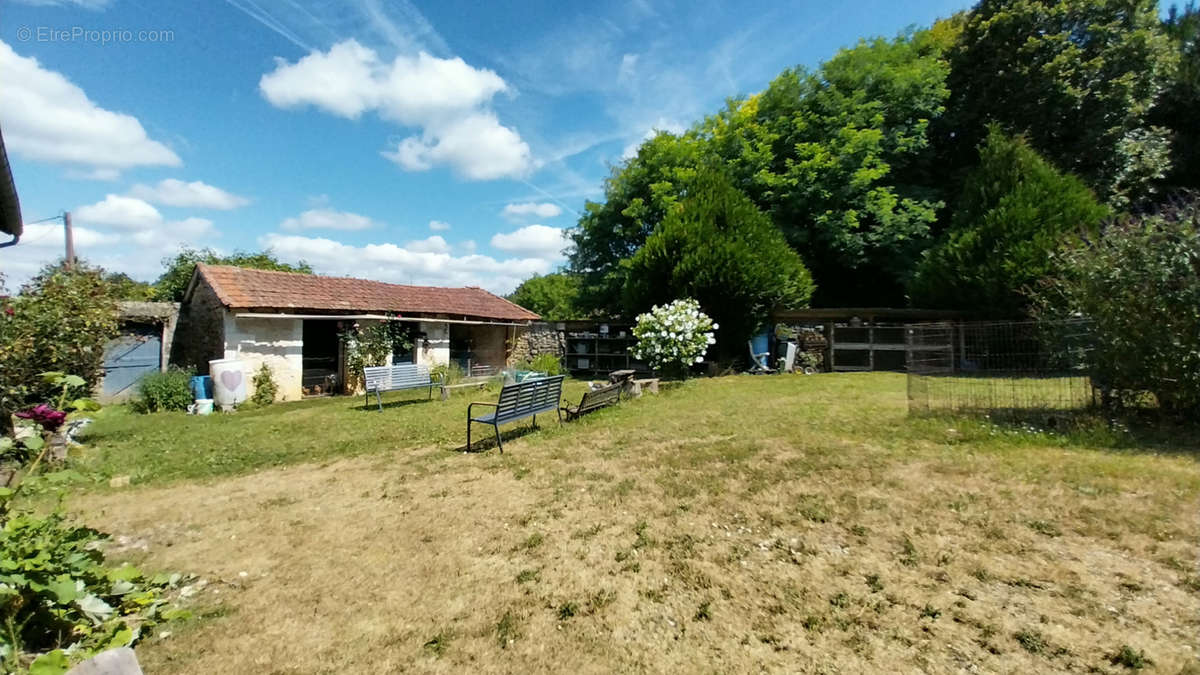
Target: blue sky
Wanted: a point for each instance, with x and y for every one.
(446, 143)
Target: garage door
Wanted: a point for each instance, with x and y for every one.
(128, 358)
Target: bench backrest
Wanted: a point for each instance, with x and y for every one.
(600, 398)
(387, 378)
(521, 399)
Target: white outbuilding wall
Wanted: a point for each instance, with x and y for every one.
(277, 342)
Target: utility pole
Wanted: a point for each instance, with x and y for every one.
(70, 237)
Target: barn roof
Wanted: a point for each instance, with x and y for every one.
(251, 289)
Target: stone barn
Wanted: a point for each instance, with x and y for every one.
(292, 322)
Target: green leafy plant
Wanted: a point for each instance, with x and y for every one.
(673, 336)
(372, 344)
(549, 364)
(1138, 282)
(162, 392)
(447, 373)
(59, 322)
(58, 598)
(264, 386)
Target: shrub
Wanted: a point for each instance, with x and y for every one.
(1139, 284)
(673, 336)
(1013, 214)
(264, 386)
(60, 321)
(549, 364)
(161, 392)
(448, 373)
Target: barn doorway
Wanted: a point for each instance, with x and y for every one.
(320, 358)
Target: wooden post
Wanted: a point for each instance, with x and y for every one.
(871, 346)
(829, 331)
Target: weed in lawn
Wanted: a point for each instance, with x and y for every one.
(1045, 527)
(527, 576)
(1031, 640)
(874, 583)
(533, 541)
(587, 532)
(567, 610)
(508, 630)
(1133, 659)
(438, 644)
(841, 600)
(643, 540)
(908, 552)
(930, 612)
(704, 613)
(813, 508)
(813, 623)
(624, 487)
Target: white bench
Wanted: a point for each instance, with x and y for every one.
(378, 379)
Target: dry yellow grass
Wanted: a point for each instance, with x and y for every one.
(786, 524)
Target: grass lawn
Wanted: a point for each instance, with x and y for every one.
(783, 523)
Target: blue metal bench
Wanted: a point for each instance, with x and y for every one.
(518, 401)
(378, 379)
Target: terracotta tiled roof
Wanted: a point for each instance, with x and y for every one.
(241, 288)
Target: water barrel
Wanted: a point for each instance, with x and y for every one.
(202, 387)
(229, 382)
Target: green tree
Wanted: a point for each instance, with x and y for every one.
(719, 249)
(554, 296)
(178, 270)
(60, 321)
(125, 287)
(1078, 77)
(637, 196)
(1179, 107)
(837, 158)
(1011, 218)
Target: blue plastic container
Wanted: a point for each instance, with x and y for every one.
(202, 387)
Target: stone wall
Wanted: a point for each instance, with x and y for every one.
(199, 331)
(536, 339)
(279, 343)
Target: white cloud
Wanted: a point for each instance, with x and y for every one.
(401, 264)
(531, 209)
(175, 233)
(50, 235)
(327, 219)
(533, 240)
(434, 244)
(120, 211)
(48, 118)
(438, 226)
(446, 98)
(477, 146)
(196, 194)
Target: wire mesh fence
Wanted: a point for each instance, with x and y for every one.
(1004, 369)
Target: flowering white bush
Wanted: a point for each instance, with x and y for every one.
(677, 335)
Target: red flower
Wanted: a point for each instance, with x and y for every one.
(9, 311)
(48, 417)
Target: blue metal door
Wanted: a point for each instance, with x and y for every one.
(129, 357)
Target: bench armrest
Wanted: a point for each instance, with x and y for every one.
(475, 403)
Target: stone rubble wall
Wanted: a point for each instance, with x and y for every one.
(536, 339)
